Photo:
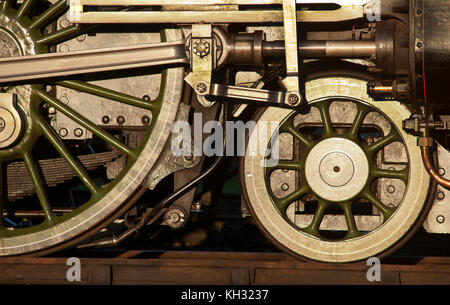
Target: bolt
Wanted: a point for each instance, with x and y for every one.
(51, 110)
(64, 99)
(188, 158)
(146, 97)
(81, 38)
(106, 119)
(419, 12)
(174, 218)
(285, 187)
(2, 124)
(64, 48)
(197, 206)
(440, 219)
(336, 169)
(120, 119)
(391, 189)
(419, 44)
(441, 171)
(64, 23)
(78, 132)
(440, 195)
(63, 132)
(201, 87)
(145, 120)
(293, 99)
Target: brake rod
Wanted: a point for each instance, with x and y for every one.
(34, 67)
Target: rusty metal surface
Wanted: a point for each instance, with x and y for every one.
(220, 268)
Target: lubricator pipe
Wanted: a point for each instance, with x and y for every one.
(426, 158)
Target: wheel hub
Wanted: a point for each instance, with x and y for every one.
(10, 121)
(8, 45)
(337, 169)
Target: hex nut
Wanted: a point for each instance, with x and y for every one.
(425, 142)
(201, 87)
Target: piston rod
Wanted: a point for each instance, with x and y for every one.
(322, 49)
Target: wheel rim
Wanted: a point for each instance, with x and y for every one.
(308, 241)
(104, 200)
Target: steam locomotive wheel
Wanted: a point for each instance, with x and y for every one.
(338, 169)
(24, 30)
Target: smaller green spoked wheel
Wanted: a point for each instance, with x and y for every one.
(332, 204)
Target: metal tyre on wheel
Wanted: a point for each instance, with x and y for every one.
(25, 30)
(349, 183)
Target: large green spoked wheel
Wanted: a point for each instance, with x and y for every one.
(23, 31)
(337, 170)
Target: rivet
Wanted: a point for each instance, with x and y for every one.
(106, 119)
(63, 132)
(391, 189)
(145, 120)
(78, 132)
(120, 119)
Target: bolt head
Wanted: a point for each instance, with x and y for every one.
(105, 119)
(440, 219)
(293, 99)
(63, 132)
(78, 132)
(391, 189)
(201, 87)
(145, 120)
(120, 119)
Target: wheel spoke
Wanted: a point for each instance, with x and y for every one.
(289, 127)
(73, 115)
(385, 210)
(51, 135)
(24, 8)
(383, 142)
(287, 165)
(357, 123)
(4, 5)
(390, 174)
(38, 186)
(313, 228)
(283, 203)
(61, 35)
(324, 109)
(54, 11)
(350, 220)
(106, 93)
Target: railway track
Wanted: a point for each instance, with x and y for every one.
(132, 267)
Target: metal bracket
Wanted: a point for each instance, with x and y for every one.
(247, 95)
(202, 61)
(291, 82)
